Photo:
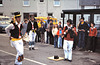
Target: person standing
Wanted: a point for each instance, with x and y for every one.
(59, 33)
(42, 30)
(91, 39)
(38, 30)
(32, 26)
(59, 26)
(69, 33)
(32, 36)
(46, 25)
(24, 27)
(82, 28)
(75, 39)
(54, 33)
(50, 26)
(14, 32)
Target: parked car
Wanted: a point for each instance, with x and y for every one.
(4, 22)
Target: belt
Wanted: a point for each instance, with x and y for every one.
(16, 39)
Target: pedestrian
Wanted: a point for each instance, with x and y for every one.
(69, 33)
(14, 32)
(82, 28)
(59, 33)
(42, 30)
(50, 26)
(91, 39)
(32, 36)
(54, 33)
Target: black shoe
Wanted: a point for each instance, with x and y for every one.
(29, 48)
(33, 48)
(70, 60)
(65, 59)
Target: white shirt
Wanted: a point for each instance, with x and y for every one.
(11, 27)
(54, 31)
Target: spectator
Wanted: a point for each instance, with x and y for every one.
(54, 32)
(59, 24)
(42, 22)
(59, 33)
(82, 28)
(47, 23)
(50, 32)
(46, 26)
(42, 30)
(86, 33)
(24, 27)
(75, 39)
(91, 40)
(38, 30)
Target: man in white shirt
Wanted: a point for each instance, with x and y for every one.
(14, 32)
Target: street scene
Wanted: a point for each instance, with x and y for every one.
(50, 32)
(41, 54)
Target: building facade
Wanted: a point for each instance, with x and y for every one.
(45, 7)
(37, 7)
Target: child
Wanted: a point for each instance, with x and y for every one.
(59, 33)
(32, 36)
(42, 30)
(91, 39)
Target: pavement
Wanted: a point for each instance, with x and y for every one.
(41, 54)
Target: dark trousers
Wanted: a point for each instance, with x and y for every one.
(91, 44)
(47, 37)
(86, 39)
(75, 42)
(81, 42)
(55, 41)
(51, 38)
(38, 36)
(62, 41)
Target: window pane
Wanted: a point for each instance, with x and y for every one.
(26, 3)
(57, 2)
(49, 14)
(41, 0)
